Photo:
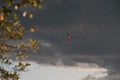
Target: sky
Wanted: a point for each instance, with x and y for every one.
(95, 37)
(45, 72)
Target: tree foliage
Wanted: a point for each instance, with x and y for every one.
(11, 30)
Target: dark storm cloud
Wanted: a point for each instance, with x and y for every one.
(94, 27)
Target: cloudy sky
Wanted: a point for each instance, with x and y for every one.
(95, 39)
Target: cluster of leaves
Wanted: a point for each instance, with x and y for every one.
(11, 30)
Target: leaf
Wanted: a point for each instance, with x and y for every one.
(16, 7)
(41, 0)
(2, 16)
(8, 29)
(17, 23)
(15, 16)
(1, 57)
(22, 44)
(27, 64)
(18, 47)
(33, 43)
(31, 16)
(32, 29)
(22, 29)
(40, 6)
(21, 66)
(24, 14)
(19, 33)
(20, 53)
(35, 4)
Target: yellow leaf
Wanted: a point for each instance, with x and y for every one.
(19, 33)
(18, 47)
(15, 16)
(17, 23)
(33, 43)
(31, 16)
(8, 29)
(20, 53)
(40, 6)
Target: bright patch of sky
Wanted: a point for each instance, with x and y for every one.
(45, 72)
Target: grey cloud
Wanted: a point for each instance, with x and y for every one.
(94, 27)
(89, 77)
(112, 77)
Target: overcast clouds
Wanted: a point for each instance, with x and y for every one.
(94, 27)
